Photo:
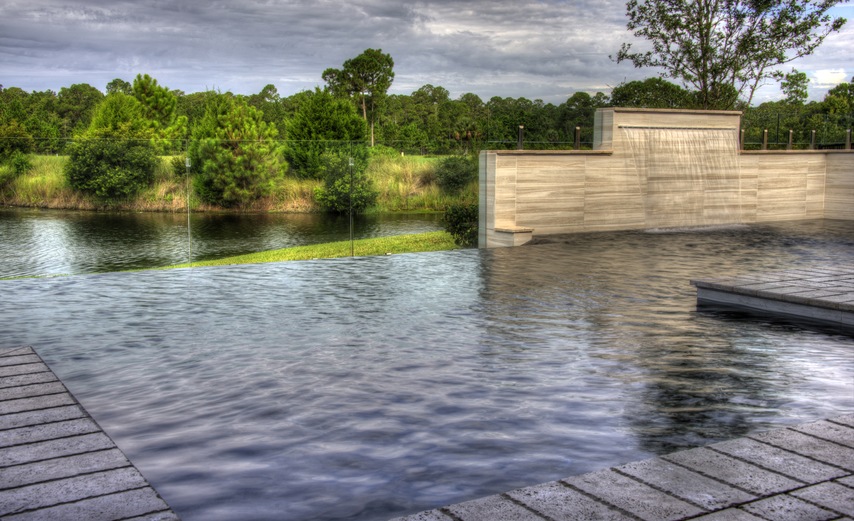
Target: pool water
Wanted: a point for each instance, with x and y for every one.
(370, 388)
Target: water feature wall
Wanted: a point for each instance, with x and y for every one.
(657, 169)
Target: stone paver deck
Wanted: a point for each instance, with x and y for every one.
(823, 294)
(56, 463)
(801, 473)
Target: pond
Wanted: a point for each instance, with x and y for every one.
(369, 388)
(52, 242)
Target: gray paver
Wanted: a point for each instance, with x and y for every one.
(829, 431)
(847, 419)
(28, 391)
(560, 502)
(824, 451)
(789, 508)
(38, 402)
(55, 461)
(492, 508)
(104, 508)
(27, 379)
(16, 351)
(730, 514)
(57, 468)
(15, 370)
(69, 489)
(20, 454)
(849, 481)
(632, 496)
(732, 471)
(20, 359)
(23, 419)
(779, 460)
(49, 431)
(429, 515)
(690, 486)
(829, 495)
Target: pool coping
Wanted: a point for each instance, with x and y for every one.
(821, 294)
(56, 462)
(799, 472)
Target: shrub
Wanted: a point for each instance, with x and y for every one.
(461, 221)
(20, 163)
(110, 168)
(454, 173)
(14, 138)
(179, 166)
(334, 195)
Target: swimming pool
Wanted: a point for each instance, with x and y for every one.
(369, 388)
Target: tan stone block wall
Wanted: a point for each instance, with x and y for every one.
(839, 189)
(568, 192)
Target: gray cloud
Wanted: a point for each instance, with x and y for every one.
(544, 49)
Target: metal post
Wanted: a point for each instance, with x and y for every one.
(741, 140)
(791, 139)
(350, 164)
(578, 138)
(765, 139)
(189, 233)
(848, 139)
(812, 140)
(520, 143)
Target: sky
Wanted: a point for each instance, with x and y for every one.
(545, 49)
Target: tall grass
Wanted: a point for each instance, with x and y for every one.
(408, 183)
(404, 183)
(44, 186)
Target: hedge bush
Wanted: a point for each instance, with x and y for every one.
(461, 221)
(455, 173)
(110, 168)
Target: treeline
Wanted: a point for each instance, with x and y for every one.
(428, 121)
(239, 148)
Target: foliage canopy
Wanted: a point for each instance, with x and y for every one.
(726, 49)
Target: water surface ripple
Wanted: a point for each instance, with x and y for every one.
(369, 388)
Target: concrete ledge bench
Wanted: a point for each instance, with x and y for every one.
(824, 295)
(56, 462)
(513, 235)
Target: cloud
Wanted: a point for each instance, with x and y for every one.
(544, 49)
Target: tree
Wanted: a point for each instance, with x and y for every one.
(652, 93)
(158, 108)
(367, 77)
(14, 139)
(794, 87)
(75, 105)
(119, 116)
(234, 153)
(726, 49)
(321, 122)
(119, 85)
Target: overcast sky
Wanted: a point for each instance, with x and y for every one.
(534, 49)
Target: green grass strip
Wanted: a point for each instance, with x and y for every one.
(419, 242)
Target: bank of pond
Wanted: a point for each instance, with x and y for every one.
(402, 184)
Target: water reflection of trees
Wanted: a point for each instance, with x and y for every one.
(622, 308)
(69, 242)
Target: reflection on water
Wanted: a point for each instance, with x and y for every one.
(370, 388)
(37, 242)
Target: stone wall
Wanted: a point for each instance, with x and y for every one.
(615, 187)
